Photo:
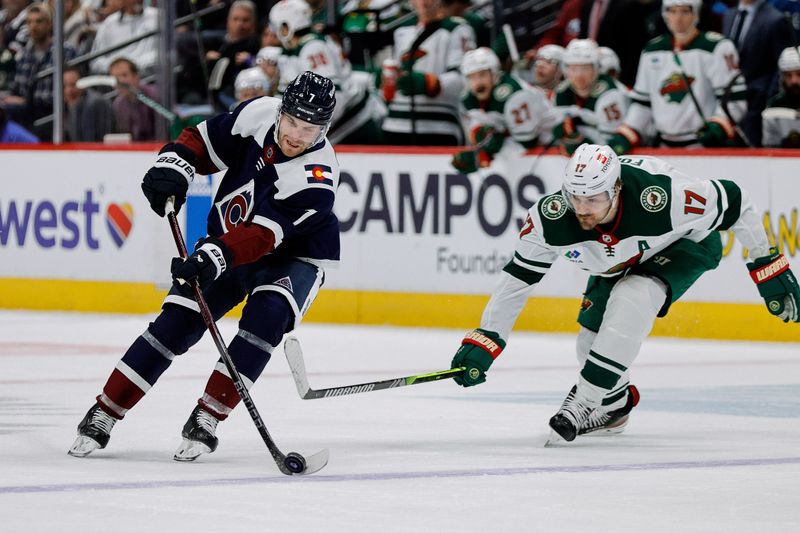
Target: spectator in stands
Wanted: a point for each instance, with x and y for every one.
(251, 83)
(625, 26)
(235, 51)
(131, 115)
(460, 8)
(760, 33)
(79, 26)
(566, 27)
(11, 132)
(89, 116)
(131, 20)
(319, 15)
(781, 118)
(13, 32)
(32, 98)
(424, 109)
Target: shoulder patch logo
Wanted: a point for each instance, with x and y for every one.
(319, 174)
(502, 91)
(284, 282)
(654, 198)
(553, 207)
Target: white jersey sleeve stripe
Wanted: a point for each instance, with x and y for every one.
(202, 128)
(272, 225)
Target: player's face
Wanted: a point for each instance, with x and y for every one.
(679, 19)
(591, 210)
(425, 9)
(581, 78)
(295, 136)
(791, 81)
(545, 71)
(481, 84)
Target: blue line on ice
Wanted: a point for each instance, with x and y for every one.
(386, 476)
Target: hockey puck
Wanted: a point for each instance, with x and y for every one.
(295, 463)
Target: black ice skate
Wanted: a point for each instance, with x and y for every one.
(573, 414)
(198, 436)
(611, 420)
(93, 432)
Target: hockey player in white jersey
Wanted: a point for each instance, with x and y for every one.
(425, 107)
(645, 232)
(270, 229)
(589, 105)
(355, 119)
(686, 86)
(547, 71)
(504, 114)
(781, 118)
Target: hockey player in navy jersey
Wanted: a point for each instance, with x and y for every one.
(269, 229)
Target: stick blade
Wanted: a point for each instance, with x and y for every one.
(316, 462)
(294, 356)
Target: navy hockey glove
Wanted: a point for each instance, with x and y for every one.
(210, 259)
(712, 135)
(411, 83)
(777, 285)
(170, 176)
(478, 351)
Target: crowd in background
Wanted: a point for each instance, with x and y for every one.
(406, 75)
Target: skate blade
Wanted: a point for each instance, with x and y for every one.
(83, 446)
(189, 450)
(554, 439)
(316, 462)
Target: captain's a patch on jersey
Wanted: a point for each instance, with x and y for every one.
(319, 174)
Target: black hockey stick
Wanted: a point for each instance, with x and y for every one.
(289, 464)
(294, 355)
(723, 103)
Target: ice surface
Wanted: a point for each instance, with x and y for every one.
(713, 446)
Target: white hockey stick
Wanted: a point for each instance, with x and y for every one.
(294, 356)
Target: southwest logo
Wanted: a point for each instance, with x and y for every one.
(119, 219)
(66, 224)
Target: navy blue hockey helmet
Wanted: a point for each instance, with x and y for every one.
(310, 97)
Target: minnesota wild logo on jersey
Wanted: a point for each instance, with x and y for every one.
(674, 88)
(657, 206)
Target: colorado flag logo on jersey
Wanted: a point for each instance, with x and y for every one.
(319, 174)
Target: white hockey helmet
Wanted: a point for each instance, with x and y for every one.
(694, 4)
(251, 78)
(269, 54)
(295, 15)
(592, 169)
(479, 59)
(789, 59)
(609, 60)
(582, 52)
(552, 53)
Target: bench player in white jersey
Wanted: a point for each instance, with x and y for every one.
(589, 105)
(270, 228)
(425, 107)
(684, 78)
(645, 232)
(355, 117)
(781, 118)
(503, 112)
